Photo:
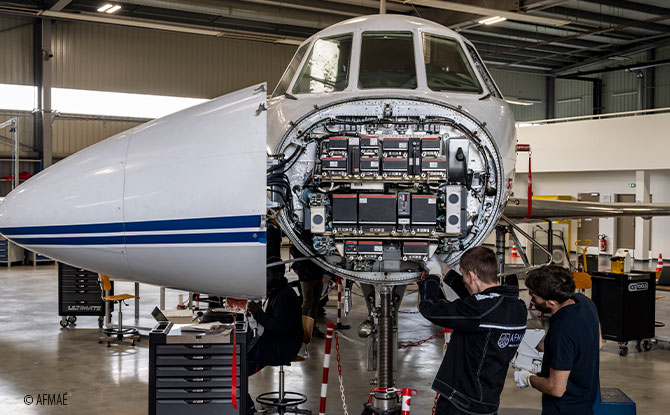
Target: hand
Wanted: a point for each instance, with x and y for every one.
(435, 267)
(253, 307)
(522, 378)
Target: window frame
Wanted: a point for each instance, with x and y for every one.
(307, 56)
(417, 68)
(467, 59)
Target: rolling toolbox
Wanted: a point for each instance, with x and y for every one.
(626, 307)
(192, 372)
(79, 294)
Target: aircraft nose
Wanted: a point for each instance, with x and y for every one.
(76, 203)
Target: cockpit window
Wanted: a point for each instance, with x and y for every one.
(447, 67)
(327, 68)
(283, 84)
(387, 60)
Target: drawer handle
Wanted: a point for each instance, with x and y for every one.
(197, 390)
(200, 368)
(198, 401)
(197, 346)
(197, 357)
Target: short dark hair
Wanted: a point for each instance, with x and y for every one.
(551, 282)
(276, 271)
(482, 261)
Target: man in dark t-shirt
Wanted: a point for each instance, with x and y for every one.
(570, 368)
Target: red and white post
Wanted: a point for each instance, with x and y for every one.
(330, 328)
(659, 265)
(406, 398)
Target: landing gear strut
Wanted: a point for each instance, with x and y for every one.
(384, 398)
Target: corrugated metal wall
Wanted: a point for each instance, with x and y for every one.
(124, 59)
(16, 44)
(523, 86)
(662, 92)
(568, 90)
(70, 136)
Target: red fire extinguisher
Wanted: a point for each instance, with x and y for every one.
(603, 242)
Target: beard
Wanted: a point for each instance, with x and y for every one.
(542, 308)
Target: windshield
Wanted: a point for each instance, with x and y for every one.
(447, 67)
(387, 60)
(327, 69)
(285, 80)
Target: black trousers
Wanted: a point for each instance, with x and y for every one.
(444, 407)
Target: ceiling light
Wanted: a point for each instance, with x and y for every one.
(565, 101)
(106, 7)
(493, 20)
(113, 9)
(623, 94)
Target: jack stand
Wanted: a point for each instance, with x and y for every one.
(384, 399)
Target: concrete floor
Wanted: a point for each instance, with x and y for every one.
(38, 356)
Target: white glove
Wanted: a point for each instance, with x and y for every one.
(522, 378)
(434, 266)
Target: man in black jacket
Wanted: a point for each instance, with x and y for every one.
(488, 323)
(280, 323)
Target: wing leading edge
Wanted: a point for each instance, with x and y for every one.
(543, 210)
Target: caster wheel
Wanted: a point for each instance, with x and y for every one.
(646, 345)
(99, 341)
(62, 323)
(638, 347)
(623, 351)
(72, 319)
(133, 343)
(109, 344)
(100, 324)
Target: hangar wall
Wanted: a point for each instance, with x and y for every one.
(599, 156)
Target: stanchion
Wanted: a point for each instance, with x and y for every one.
(406, 398)
(340, 326)
(330, 327)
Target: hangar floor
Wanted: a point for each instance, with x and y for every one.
(40, 357)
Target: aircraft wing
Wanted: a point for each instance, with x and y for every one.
(543, 210)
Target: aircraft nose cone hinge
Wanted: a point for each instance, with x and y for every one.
(261, 108)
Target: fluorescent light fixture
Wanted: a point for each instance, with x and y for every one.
(493, 20)
(113, 9)
(565, 101)
(485, 11)
(517, 102)
(79, 101)
(295, 42)
(525, 124)
(17, 97)
(623, 94)
(106, 7)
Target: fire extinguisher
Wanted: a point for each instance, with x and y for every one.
(603, 242)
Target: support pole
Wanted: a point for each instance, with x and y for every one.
(161, 301)
(137, 301)
(500, 247)
(43, 81)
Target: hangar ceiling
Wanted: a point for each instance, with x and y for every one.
(557, 37)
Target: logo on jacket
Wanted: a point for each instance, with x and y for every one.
(503, 341)
(510, 340)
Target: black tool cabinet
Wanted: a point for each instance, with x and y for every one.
(192, 373)
(626, 307)
(79, 294)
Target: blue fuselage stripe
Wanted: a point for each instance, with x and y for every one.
(189, 238)
(225, 222)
